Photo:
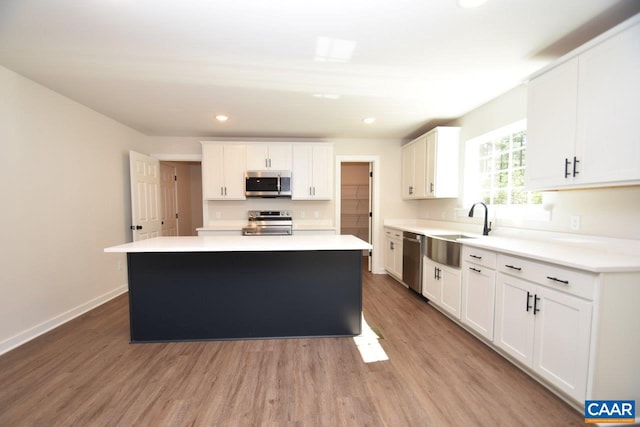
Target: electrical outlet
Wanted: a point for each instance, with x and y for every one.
(119, 265)
(218, 214)
(575, 222)
(301, 214)
(316, 214)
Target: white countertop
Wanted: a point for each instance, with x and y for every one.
(244, 244)
(599, 255)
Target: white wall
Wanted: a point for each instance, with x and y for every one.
(608, 212)
(64, 174)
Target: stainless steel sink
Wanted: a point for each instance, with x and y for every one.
(444, 248)
(453, 237)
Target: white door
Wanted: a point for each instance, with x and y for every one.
(551, 127)
(479, 286)
(451, 290)
(608, 141)
(515, 322)
(562, 341)
(145, 196)
(431, 287)
(168, 199)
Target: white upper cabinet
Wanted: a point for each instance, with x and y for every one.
(269, 157)
(430, 165)
(223, 167)
(312, 171)
(583, 129)
(414, 157)
(442, 162)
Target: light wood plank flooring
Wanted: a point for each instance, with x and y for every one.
(85, 373)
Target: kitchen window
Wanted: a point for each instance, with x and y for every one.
(495, 164)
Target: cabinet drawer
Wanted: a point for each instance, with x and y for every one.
(479, 256)
(574, 282)
(393, 233)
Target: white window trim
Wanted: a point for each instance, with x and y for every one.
(510, 212)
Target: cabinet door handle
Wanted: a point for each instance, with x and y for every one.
(222, 191)
(225, 191)
(431, 187)
(555, 279)
(475, 256)
(513, 267)
(475, 269)
(566, 167)
(535, 304)
(410, 190)
(391, 246)
(528, 299)
(575, 165)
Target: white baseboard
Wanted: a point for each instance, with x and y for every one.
(44, 327)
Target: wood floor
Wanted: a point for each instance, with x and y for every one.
(85, 373)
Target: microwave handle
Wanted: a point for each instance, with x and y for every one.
(278, 184)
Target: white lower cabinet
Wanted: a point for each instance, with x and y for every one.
(441, 285)
(478, 290)
(545, 329)
(393, 252)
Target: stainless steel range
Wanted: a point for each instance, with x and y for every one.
(269, 223)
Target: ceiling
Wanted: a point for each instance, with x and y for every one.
(168, 67)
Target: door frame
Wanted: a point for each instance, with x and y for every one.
(374, 162)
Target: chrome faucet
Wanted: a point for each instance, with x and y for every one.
(487, 228)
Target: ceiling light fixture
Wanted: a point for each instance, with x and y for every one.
(334, 50)
(222, 118)
(369, 120)
(468, 4)
(326, 95)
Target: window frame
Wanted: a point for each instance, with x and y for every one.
(474, 179)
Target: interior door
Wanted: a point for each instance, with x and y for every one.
(145, 194)
(168, 200)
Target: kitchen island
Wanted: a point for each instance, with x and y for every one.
(244, 287)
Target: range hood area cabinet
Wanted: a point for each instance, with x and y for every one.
(312, 173)
(430, 165)
(583, 129)
(269, 157)
(223, 167)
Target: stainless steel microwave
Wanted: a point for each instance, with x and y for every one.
(267, 184)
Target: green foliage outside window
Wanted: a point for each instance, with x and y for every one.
(502, 164)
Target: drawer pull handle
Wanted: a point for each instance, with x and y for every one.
(475, 269)
(528, 299)
(513, 267)
(555, 279)
(475, 256)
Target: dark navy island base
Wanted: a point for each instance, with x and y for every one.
(190, 296)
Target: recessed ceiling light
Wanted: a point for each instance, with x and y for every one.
(468, 4)
(222, 118)
(334, 50)
(326, 95)
(369, 120)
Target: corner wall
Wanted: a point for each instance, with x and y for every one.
(66, 196)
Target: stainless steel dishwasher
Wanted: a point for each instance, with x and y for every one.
(412, 253)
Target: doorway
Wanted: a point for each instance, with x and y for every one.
(357, 201)
(181, 202)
